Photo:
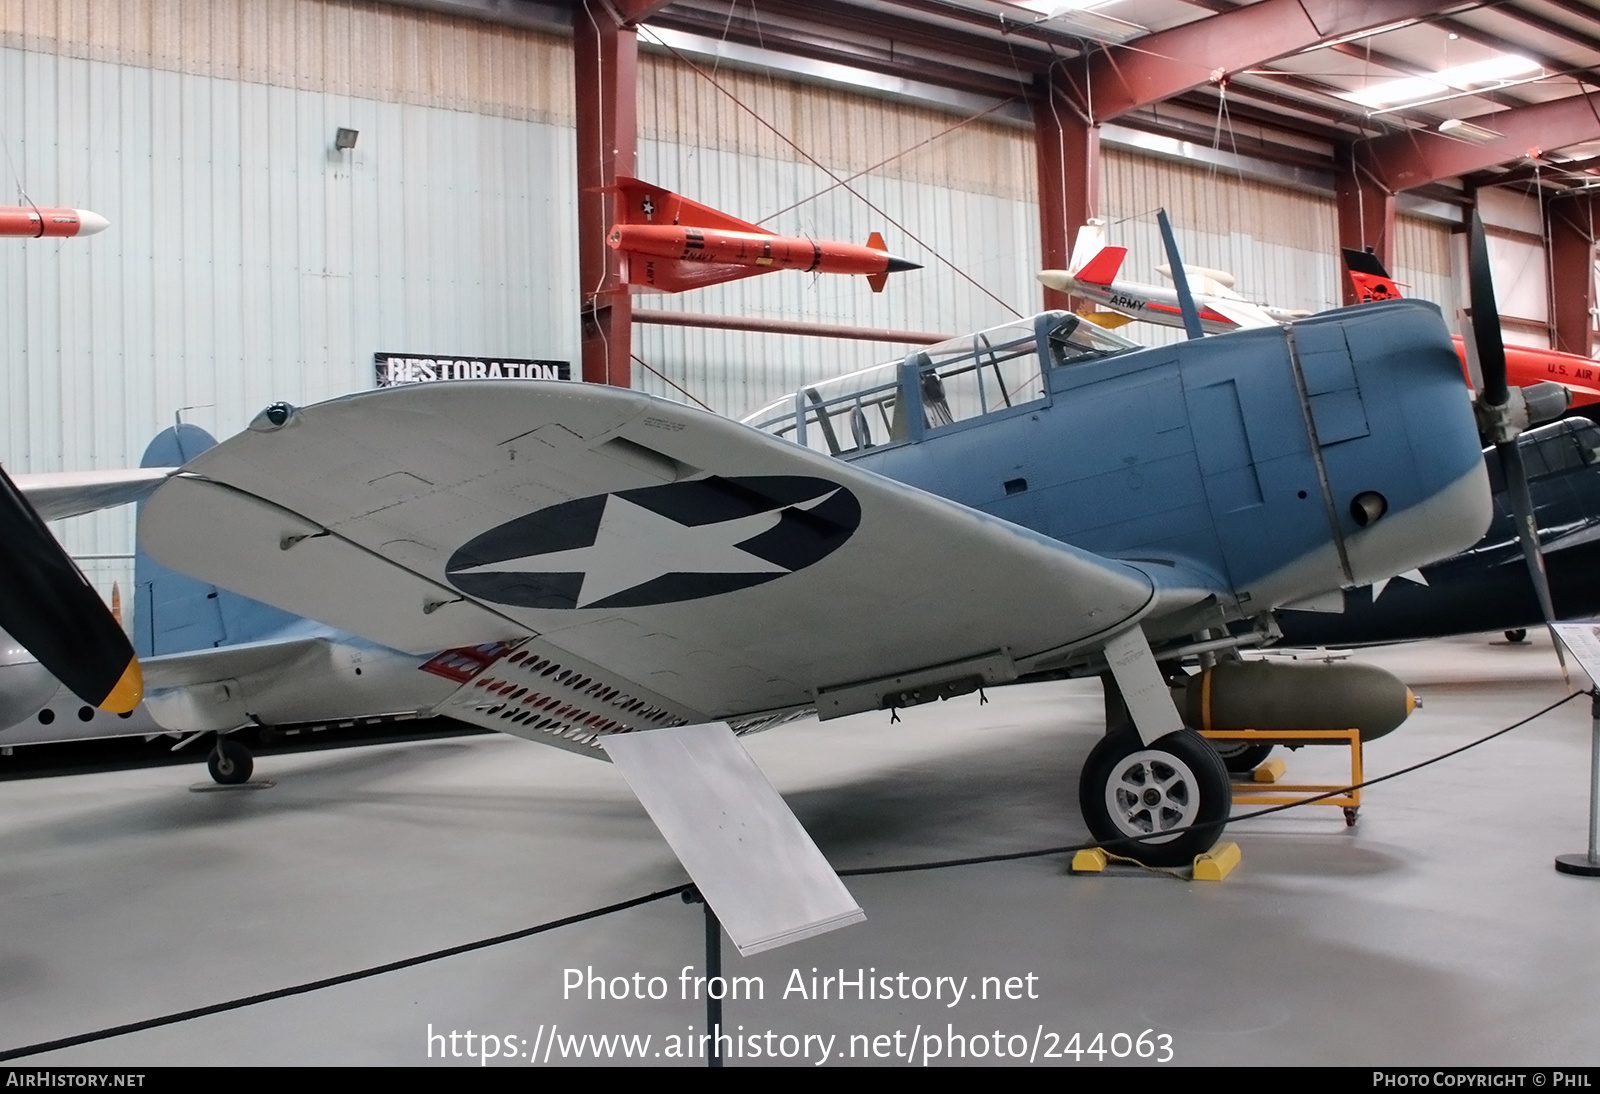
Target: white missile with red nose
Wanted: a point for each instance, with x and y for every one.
(37, 221)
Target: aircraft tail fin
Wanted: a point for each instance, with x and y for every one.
(1090, 242)
(1371, 280)
(878, 280)
(1102, 268)
(173, 613)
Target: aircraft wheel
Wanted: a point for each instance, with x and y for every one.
(230, 762)
(1130, 789)
(1241, 757)
(1518, 635)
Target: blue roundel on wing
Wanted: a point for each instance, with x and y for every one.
(658, 544)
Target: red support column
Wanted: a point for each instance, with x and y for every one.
(605, 66)
(1067, 153)
(1572, 224)
(1366, 216)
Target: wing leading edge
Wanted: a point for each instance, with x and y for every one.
(717, 571)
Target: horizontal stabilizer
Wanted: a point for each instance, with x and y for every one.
(60, 494)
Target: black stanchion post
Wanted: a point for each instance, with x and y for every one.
(1588, 865)
(713, 976)
(692, 895)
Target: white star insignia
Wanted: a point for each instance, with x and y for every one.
(634, 545)
(1414, 576)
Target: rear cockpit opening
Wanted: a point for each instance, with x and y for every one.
(994, 372)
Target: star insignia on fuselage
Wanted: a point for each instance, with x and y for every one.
(1414, 576)
(657, 544)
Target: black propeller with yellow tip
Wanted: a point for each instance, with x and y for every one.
(48, 606)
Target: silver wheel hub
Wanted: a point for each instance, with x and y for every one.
(1151, 792)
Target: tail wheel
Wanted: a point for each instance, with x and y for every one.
(1162, 803)
(230, 762)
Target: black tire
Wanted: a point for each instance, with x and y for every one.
(1185, 785)
(1518, 635)
(1241, 757)
(230, 763)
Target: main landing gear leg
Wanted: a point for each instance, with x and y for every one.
(1151, 789)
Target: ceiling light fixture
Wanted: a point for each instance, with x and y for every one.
(1480, 75)
(1459, 130)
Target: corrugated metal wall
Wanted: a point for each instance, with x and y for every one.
(247, 260)
(1422, 262)
(1280, 244)
(962, 204)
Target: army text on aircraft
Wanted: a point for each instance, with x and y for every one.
(1092, 276)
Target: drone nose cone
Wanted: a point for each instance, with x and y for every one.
(1059, 280)
(90, 223)
(899, 265)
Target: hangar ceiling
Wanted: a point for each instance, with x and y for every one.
(1286, 80)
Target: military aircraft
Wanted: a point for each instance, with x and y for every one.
(1092, 276)
(1486, 587)
(673, 244)
(1040, 499)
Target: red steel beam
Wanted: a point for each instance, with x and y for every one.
(1067, 156)
(1408, 160)
(1158, 66)
(605, 70)
(633, 11)
(1571, 221)
(1365, 212)
(784, 326)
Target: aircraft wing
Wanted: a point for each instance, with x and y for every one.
(1242, 312)
(707, 568)
(72, 493)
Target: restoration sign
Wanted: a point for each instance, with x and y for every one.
(394, 369)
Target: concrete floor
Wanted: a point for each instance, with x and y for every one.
(1435, 932)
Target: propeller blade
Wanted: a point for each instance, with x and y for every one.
(48, 606)
(1503, 418)
(1180, 280)
(1528, 535)
(1486, 319)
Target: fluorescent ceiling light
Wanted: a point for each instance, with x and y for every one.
(1057, 7)
(1074, 17)
(1357, 35)
(1466, 131)
(1477, 75)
